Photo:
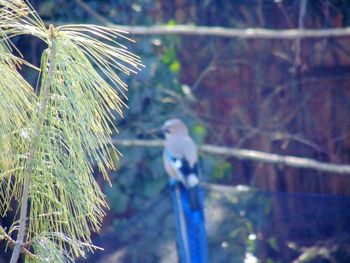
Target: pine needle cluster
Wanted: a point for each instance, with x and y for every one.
(49, 140)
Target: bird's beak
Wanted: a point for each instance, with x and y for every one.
(160, 133)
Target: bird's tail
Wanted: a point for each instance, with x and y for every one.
(190, 223)
(194, 198)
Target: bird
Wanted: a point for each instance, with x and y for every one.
(180, 160)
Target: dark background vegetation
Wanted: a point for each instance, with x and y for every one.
(250, 94)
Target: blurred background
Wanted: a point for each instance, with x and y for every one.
(282, 96)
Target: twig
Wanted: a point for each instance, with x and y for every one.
(248, 33)
(12, 243)
(302, 11)
(92, 12)
(285, 14)
(209, 68)
(224, 189)
(245, 154)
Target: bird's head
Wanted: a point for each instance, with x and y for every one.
(174, 127)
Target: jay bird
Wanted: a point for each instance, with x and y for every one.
(180, 158)
(181, 163)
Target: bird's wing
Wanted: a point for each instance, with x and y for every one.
(182, 170)
(173, 167)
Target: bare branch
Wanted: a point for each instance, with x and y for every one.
(248, 33)
(245, 154)
(224, 189)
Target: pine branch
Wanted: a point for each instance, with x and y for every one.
(29, 170)
(46, 151)
(245, 154)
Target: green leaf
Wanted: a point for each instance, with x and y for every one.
(169, 56)
(175, 66)
(223, 170)
(199, 132)
(171, 22)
